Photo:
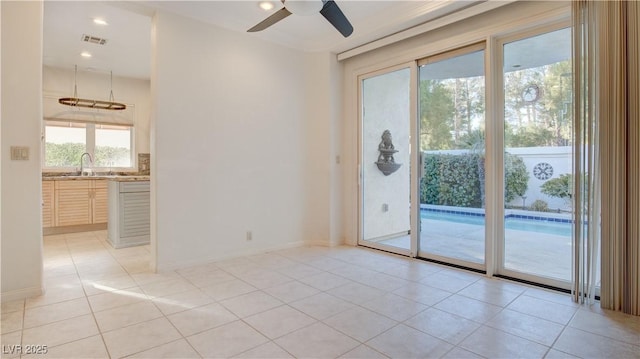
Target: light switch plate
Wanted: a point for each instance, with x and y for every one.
(19, 153)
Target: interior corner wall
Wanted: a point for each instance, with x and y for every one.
(324, 94)
(231, 136)
(336, 173)
(21, 119)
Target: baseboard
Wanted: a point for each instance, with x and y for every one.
(21, 294)
(48, 231)
(319, 243)
(243, 253)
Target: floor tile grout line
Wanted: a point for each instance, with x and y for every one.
(178, 331)
(142, 322)
(480, 325)
(637, 344)
(95, 321)
(88, 303)
(266, 266)
(274, 339)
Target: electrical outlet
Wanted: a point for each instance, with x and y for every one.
(249, 235)
(385, 207)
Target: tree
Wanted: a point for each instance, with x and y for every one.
(559, 187)
(475, 141)
(63, 154)
(453, 180)
(546, 122)
(68, 155)
(557, 104)
(436, 115)
(106, 156)
(516, 177)
(531, 136)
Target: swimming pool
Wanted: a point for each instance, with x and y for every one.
(556, 226)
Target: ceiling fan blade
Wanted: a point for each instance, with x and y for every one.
(334, 15)
(275, 17)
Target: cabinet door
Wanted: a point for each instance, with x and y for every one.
(73, 202)
(100, 202)
(135, 214)
(48, 194)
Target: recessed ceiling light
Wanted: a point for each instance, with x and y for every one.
(266, 5)
(99, 21)
(85, 54)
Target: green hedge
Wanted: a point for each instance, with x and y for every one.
(453, 180)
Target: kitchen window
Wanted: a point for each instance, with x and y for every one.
(110, 146)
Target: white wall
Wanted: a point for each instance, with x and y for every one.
(20, 126)
(96, 85)
(323, 168)
(235, 144)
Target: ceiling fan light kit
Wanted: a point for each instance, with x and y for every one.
(75, 101)
(266, 5)
(327, 8)
(304, 7)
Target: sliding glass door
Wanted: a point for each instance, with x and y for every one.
(385, 160)
(452, 152)
(538, 171)
(489, 184)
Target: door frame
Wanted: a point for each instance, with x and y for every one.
(413, 196)
(498, 77)
(489, 230)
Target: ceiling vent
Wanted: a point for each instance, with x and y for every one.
(94, 39)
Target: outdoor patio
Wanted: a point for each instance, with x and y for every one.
(541, 254)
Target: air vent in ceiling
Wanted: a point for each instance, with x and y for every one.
(94, 39)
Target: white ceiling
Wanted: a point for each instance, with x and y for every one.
(128, 50)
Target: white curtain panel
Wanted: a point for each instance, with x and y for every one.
(607, 128)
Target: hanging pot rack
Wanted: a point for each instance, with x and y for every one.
(75, 101)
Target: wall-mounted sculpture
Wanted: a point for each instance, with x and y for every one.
(385, 162)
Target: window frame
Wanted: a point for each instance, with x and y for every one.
(90, 145)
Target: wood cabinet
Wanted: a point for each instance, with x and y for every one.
(100, 201)
(48, 194)
(74, 202)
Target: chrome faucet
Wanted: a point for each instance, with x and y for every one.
(82, 162)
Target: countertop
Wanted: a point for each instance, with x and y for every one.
(117, 178)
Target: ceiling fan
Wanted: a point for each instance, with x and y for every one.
(327, 8)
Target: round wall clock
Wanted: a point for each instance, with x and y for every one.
(543, 171)
(531, 93)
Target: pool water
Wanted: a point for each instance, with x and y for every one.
(514, 223)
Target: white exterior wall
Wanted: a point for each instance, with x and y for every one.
(560, 158)
(386, 105)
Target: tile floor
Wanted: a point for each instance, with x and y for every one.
(304, 302)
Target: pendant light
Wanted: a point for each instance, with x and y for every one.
(97, 104)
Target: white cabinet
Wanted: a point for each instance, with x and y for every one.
(129, 213)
